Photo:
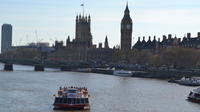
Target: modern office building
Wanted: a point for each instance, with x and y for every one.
(6, 37)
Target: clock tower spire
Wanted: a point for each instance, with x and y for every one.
(126, 30)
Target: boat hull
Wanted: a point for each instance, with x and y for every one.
(193, 100)
(63, 106)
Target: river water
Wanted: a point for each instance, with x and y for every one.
(24, 90)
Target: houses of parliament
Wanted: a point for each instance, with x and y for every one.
(81, 48)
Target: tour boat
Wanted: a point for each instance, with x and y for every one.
(189, 82)
(72, 98)
(122, 73)
(194, 95)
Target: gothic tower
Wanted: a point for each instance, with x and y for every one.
(83, 33)
(106, 43)
(126, 30)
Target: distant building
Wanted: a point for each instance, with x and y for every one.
(82, 48)
(6, 37)
(168, 42)
(126, 31)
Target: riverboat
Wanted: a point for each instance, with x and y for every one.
(122, 73)
(194, 96)
(189, 82)
(75, 98)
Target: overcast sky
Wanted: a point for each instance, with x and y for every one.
(55, 19)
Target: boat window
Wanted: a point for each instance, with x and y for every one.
(71, 91)
(56, 100)
(82, 100)
(86, 100)
(65, 100)
(69, 101)
(197, 95)
(73, 101)
(78, 101)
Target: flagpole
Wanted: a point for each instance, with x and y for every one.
(83, 8)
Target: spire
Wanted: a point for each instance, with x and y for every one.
(154, 38)
(138, 39)
(149, 38)
(143, 39)
(127, 9)
(106, 43)
(89, 18)
(68, 41)
(77, 18)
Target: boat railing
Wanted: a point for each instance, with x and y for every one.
(72, 100)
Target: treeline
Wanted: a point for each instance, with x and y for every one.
(178, 58)
(22, 53)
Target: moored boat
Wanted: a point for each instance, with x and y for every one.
(189, 82)
(122, 73)
(72, 98)
(194, 95)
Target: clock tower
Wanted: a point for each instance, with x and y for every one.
(126, 31)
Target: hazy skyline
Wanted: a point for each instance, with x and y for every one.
(56, 20)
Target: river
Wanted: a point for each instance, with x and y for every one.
(24, 90)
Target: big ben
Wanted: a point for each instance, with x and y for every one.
(126, 31)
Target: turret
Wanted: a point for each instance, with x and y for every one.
(68, 41)
(198, 34)
(159, 40)
(143, 39)
(149, 39)
(106, 43)
(169, 36)
(83, 33)
(138, 39)
(188, 35)
(154, 38)
(76, 18)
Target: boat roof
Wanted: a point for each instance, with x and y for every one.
(197, 90)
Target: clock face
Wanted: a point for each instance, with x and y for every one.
(128, 26)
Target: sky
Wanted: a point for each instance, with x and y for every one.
(50, 20)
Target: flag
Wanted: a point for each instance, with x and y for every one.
(82, 4)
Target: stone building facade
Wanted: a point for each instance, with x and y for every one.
(81, 48)
(126, 31)
(167, 42)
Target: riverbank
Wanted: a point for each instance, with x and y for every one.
(156, 74)
(145, 73)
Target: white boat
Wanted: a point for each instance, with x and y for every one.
(122, 73)
(189, 81)
(194, 96)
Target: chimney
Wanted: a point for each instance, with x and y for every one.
(188, 35)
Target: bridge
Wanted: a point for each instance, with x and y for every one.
(39, 65)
